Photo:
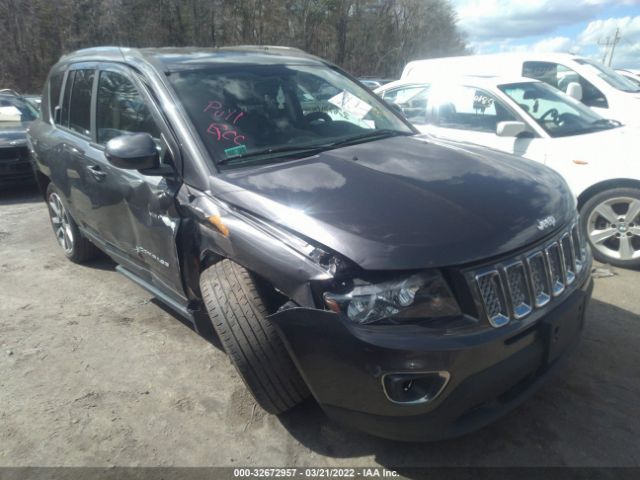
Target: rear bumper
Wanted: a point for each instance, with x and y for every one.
(491, 371)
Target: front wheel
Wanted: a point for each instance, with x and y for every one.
(239, 312)
(611, 222)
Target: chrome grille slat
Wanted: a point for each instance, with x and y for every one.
(493, 297)
(518, 289)
(568, 257)
(539, 279)
(556, 268)
(512, 289)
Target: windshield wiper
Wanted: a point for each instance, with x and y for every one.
(310, 149)
(303, 149)
(376, 134)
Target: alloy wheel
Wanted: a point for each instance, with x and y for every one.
(61, 223)
(613, 227)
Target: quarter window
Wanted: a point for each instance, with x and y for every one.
(80, 102)
(55, 85)
(63, 118)
(121, 109)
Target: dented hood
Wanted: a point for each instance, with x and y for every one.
(405, 202)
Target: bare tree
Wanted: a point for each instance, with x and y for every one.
(366, 37)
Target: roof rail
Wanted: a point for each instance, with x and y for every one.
(266, 47)
(9, 92)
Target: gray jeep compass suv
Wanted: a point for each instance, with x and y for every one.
(417, 289)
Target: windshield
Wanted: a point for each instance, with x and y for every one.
(558, 114)
(635, 79)
(260, 113)
(610, 76)
(15, 109)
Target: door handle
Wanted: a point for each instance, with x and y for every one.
(97, 172)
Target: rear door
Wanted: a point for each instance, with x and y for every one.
(72, 142)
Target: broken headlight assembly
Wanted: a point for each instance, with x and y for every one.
(420, 296)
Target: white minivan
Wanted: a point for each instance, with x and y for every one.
(597, 86)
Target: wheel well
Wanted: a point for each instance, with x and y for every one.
(43, 182)
(606, 185)
(271, 296)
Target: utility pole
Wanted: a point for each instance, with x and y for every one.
(605, 44)
(610, 47)
(616, 39)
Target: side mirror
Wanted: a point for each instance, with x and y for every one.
(574, 89)
(133, 152)
(510, 129)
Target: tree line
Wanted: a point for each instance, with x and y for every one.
(366, 37)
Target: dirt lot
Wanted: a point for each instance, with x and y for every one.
(94, 372)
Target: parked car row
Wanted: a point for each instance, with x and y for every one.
(533, 118)
(418, 288)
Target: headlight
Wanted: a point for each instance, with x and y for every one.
(424, 295)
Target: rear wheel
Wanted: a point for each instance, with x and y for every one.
(74, 245)
(238, 312)
(611, 222)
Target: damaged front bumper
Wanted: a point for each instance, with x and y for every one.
(482, 374)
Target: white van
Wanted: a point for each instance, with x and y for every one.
(597, 86)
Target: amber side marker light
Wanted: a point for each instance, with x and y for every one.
(216, 221)
(580, 162)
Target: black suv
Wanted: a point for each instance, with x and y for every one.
(417, 289)
(16, 114)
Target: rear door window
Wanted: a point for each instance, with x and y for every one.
(75, 110)
(55, 85)
(63, 118)
(80, 102)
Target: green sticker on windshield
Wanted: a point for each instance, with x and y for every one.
(235, 151)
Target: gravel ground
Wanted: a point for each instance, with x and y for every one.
(94, 372)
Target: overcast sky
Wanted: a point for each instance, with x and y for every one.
(553, 25)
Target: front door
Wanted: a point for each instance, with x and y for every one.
(147, 219)
(131, 215)
(469, 114)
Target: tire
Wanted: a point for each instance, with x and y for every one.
(238, 312)
(74, 245)
(610, 222)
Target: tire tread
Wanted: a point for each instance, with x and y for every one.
(238, 314)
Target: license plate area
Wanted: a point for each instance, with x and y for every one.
(563, 327)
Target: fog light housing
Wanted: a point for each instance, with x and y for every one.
(414, 388)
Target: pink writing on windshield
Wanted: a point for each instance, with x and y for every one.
(219, 112)
(221, 131)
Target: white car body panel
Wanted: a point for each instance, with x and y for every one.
(583, 160)
(622, 106)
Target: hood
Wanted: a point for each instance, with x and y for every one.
(405, 202)
(13, 133)
(620, 143)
